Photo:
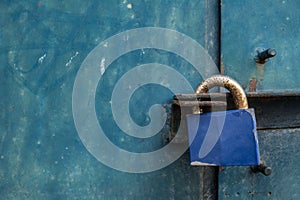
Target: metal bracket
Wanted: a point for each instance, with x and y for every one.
(263, 55)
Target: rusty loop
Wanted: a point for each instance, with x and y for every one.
(235, 89)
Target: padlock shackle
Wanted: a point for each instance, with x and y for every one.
(239, 96)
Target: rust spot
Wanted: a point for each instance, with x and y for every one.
(222, 69)
(201, 103)
(252, 85)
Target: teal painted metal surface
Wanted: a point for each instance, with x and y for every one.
(43, 44)
(251, 25)
(280, 150)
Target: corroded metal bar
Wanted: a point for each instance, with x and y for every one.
(235, 89)
(202, 96)
(200, 103)
(263, 56)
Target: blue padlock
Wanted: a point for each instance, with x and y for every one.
(224, 138)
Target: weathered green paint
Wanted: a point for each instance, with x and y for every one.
(43, 44)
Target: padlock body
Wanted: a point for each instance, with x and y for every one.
(223, 138)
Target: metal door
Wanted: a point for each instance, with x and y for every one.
(248, 26)
(43, 45)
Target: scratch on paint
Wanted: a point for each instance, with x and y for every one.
(102, 66)
(70, 61)
(41, 59)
